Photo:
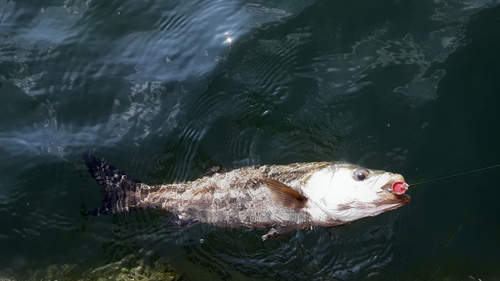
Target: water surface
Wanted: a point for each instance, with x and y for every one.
(167, 89)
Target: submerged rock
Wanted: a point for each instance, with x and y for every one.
(114, 271)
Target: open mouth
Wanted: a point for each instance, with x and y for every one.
(388, 196)
(396, 187)
(399, 187)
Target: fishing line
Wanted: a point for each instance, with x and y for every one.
(456, 175)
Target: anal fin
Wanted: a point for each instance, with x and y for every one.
(284, 194)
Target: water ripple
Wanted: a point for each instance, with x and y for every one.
(211, 83)
(346, 253)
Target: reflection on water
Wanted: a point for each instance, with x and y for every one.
(166, 90)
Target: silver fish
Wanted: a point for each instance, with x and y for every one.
(280, 197)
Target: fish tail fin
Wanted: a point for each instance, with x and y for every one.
(120, 189)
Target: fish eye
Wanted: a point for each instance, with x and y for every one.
(361, 174)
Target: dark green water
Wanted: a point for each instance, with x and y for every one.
(167, 89)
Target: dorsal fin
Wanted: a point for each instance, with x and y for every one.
(217, 170)
(284, 194)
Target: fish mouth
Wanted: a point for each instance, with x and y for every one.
(393, 192)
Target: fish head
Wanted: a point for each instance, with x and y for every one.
(346, 192)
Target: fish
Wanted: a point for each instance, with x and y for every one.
(281, 198)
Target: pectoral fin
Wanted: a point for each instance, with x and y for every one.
(285, 195)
